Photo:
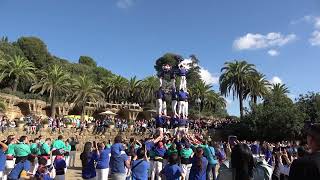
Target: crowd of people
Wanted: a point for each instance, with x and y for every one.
(163, 156)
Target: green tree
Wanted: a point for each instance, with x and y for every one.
(85, 90)
(35, 50)
(200, 90)
(171, 59)
(19, 69)
(310, 105)
(150, 85)
(86, 60)
(214, 102)
(56, 82)
(258, 87)
(277, 118)
(115, 88)
(235, 79)
(279, 89)
(134, 90)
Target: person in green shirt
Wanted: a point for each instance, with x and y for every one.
(22, 149)
(58, 144)
(35, 147)
(11, 143)
(186, 153)
(45, 147)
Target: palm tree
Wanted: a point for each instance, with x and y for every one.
(85, 90)
(213, 101)
(279, 89)
(55, 81)
(116, 88)
(258, 87)
(200, 90)
(134, 90)
(150, 85)
(20, 69)
(235, 79)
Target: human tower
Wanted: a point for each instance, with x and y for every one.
(179, 95)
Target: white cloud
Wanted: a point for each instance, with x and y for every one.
(258, 41)
(124, 3)
(273, 52)
(315, 38)
(207, 77)
(275, 80)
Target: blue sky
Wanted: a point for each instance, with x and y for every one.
(126, 36)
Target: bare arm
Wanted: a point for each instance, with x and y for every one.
(127, 163)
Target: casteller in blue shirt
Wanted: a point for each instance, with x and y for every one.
(2, 160)
(104, 159)
(182, 95)
(172, 172)
(140, 169)
(118, 159)
(197, 174)
(160, 121)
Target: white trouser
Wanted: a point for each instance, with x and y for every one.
(60, 177)
(151, 167)
(186, 170)
(157, 167)
(164, 107)
(186, 108)
(183, 83)
(72, 158)
(67, 159)
(102, 174)
(160, 81)
(174, 106)
(1, 175)
(173, 83)
(181, 108)
(159, 106)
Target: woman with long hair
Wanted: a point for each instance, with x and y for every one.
(242, 162)
(88, 158)
(243, 167)
(199, 165)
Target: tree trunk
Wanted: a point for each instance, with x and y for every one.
(53, 105)
(241, 103)
(15, 84)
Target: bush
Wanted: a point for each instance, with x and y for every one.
(45, 121)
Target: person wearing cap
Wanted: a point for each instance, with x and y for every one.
(308, 167)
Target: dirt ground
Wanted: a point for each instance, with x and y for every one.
(74, 173)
